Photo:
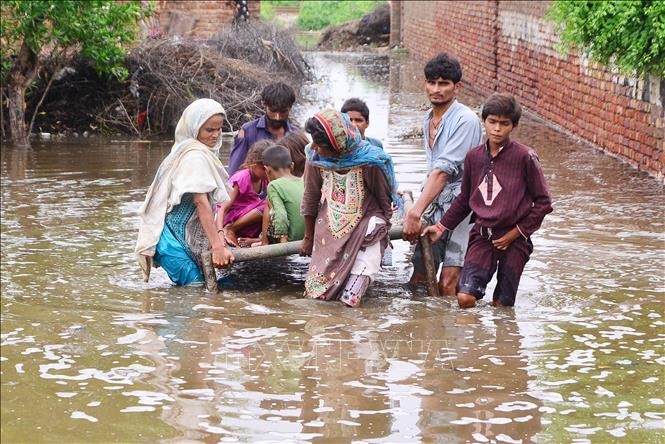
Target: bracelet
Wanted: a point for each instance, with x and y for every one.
(440, 227)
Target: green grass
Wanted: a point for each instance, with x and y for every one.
(315, 15)
(319, 14)
(268, 7)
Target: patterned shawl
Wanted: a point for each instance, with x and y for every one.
(353, 151)
(191, 167)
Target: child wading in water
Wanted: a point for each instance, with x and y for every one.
(504, 186)
(240, 217)
(349, 187)
(282, 221)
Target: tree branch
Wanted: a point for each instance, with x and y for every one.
(41, 100)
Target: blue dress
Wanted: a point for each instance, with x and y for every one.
(172, 252)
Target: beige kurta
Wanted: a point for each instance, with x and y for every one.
(343, 205)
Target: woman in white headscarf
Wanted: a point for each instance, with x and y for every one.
(177, 223)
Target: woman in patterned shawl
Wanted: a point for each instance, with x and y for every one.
(349, 188)
(176, 218)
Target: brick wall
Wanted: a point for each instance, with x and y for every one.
(199, 19)
(508, 46)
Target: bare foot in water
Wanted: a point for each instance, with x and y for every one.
(417, 280)
(246, 242)
(230, 237)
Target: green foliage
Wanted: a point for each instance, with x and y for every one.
(268, 7)
(100, 29)
(319, 14)
(627, 34)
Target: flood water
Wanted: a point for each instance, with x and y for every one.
(90, 353)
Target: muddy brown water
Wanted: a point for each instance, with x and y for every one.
(90, 353)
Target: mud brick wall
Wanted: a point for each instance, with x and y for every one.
(199, 19)
(509, 46)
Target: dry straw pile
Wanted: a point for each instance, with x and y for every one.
(168, 74)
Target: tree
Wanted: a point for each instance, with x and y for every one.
(38, 33)
(627, 34)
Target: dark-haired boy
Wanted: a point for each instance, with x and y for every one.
(450, 130)
(282, 220)
(504, 186)
(277, 99)
(358, 113)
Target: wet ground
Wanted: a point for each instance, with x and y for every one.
(90, 353)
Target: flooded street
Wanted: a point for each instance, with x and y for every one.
(90, 353)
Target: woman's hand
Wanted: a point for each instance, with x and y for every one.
(222, 257)
(306, 246)
(504, 241)
(435, 232)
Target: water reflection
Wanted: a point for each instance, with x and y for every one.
(87, 346)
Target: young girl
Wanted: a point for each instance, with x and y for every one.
(241, 215)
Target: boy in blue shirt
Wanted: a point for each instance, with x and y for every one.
(358, 113)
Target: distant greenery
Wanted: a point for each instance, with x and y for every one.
(320, 14)
(268, 7)
(627, 34)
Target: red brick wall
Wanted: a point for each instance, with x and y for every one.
(209, 16)
(508, 46)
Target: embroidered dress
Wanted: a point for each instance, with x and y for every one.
(350, 195)
(345, 194)
(347, 204)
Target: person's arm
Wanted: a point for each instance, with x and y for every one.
(542, 205)
(540, 195)
(460, 207)
(221, 256)
(224, 207)
(309, 206)
(238, 152)
(378, 186)
(467, 135)
(433, 187)
(308, 238)
(458, 210)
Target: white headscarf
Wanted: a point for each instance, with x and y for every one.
(193, 117)
(191, 167)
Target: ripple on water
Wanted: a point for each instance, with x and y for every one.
(259, 362)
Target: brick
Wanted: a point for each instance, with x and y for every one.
(588, 101)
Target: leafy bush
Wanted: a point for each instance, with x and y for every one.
(628, 34)
(316, 15)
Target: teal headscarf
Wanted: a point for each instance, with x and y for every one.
(353, 151)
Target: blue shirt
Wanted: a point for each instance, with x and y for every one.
(459, 131)
(254, 131)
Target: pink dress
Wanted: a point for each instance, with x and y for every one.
(247, 200)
